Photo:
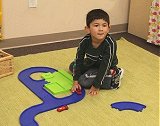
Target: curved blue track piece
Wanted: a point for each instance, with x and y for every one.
(125, 105)
(49, 101)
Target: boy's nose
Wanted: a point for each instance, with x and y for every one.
(100, 28)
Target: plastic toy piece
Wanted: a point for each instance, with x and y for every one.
(47, 75)
(62, 108)
(49, 102)
(59, 82)
(78, 91)
(128, 106)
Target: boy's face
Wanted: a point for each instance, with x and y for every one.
(98, 29)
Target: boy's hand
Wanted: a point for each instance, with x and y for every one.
(75, 86)
(93, 91)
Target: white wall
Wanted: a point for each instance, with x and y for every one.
(52, 16)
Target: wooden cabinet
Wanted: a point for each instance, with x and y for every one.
(139, 18)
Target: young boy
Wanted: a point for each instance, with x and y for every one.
(96, 60)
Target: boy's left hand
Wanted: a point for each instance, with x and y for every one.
(93, 91)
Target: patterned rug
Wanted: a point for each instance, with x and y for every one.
(139, 84)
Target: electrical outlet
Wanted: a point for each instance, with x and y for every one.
(32, 3)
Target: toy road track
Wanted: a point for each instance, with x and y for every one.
(49, 101)
(126, 105)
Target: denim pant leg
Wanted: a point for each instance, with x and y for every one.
(86, 80)
(83, 68)
(71, 66)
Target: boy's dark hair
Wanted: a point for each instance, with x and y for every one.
(97, 14)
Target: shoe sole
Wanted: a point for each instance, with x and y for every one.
(122, 72)
(121, 76)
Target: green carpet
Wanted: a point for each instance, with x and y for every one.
(140, 84)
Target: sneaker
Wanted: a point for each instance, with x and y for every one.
(116, 81)
(122, 72)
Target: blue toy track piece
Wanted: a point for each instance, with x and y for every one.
(27, 117)
(125, 105)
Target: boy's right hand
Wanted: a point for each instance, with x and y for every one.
(76, 86)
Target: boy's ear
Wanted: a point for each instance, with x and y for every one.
(109, 26)
(87, 29)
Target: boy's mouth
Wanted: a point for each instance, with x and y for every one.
(100, 33)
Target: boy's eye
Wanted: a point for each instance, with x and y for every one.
(96, 25)
(104, 25)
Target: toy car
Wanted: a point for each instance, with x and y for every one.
(78, 91)
(62, 108)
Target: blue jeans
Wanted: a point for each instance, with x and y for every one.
(87, 78)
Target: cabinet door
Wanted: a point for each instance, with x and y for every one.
(139, 18)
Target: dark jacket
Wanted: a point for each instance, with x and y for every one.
(104, 58)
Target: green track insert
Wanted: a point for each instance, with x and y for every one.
(58, 82)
